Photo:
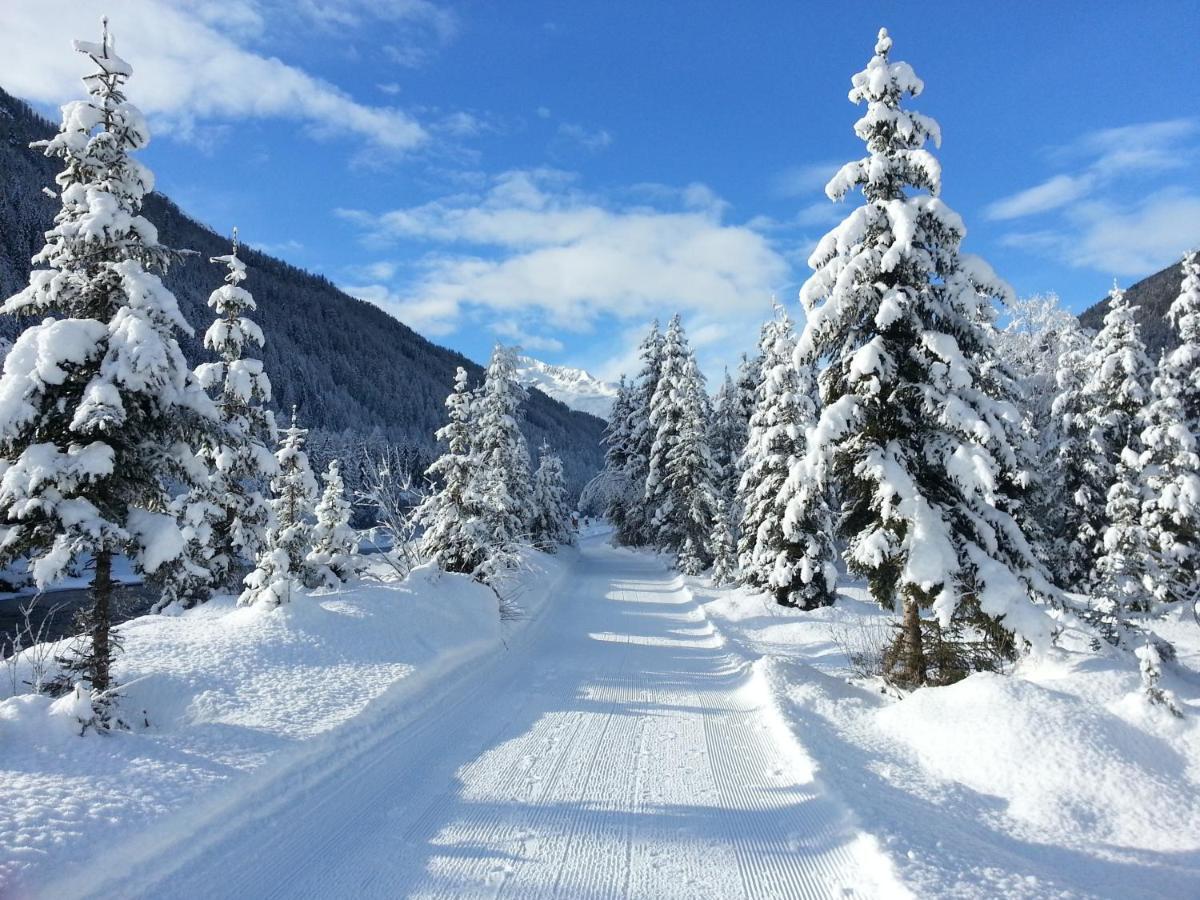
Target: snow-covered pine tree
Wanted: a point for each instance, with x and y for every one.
(790, 558)
(692, 477)
(224, 515)
(723, 547)
(1171, 510)
(551, 517)
(453, 536)
(1124, 562)
(97, 403)
(502, 479)
(1114, 398)
(727, 436)
(681, 477)
(283, 558)
(334, 557)
(617, 447)
(924, 457)
(638, 526)
(1037, 334)
(1070, 546)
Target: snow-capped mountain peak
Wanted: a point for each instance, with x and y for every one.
(576, 388)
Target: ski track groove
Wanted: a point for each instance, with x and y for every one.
(616, 755)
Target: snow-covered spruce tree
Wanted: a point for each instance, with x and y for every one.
(96, 402)
(453, 536)
(1171, 510)
(224, 515)
(551, 525)
(638, 530)
(786, 546)
(692, 477)
(923, 456)
(1123, 563)
(727, 436)
(1037, 335)
(1070, 546)
(681, 476)
(502, 479)
(283, 560)
(617, 442)
(1114, 398)
(723, 547)
(334, 557)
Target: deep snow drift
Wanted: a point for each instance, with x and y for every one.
(220, 692)
(1057, 779)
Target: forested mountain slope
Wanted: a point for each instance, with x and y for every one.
(345, 364)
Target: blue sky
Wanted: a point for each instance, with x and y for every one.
(555, 173)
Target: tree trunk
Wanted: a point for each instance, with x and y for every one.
(904, 662)
(100, 661)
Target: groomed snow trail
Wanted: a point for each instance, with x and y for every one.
(615, 753)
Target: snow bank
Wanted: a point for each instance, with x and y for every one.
(1058, 779)
(221, 698)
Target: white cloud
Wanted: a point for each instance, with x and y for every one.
(189, 66)
(1130, 242)
(591, 140)
(513, 332)
(1050, 194)
(1112, 214)
(535, 247)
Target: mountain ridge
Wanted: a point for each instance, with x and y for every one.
(576, 387)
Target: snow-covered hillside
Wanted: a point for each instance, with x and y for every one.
(579, 390)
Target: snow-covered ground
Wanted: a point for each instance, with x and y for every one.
(1057, 779)
(577, 388)
(635, 734)
(221, 698)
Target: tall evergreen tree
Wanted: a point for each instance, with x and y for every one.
(224, 515)
(334, 557)
(1113, 399)
(638, 527)
(96, 402)
(923, 455)
(1171, 509)
(502, 478)
(680, 478)
(723, 547)
(283, 559)
(552, 517)
(727, 436)
(1071, 545)
(618, 440)
(453, 536)
(786, 546)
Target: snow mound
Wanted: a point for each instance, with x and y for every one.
(220, 694)
(1069, 771)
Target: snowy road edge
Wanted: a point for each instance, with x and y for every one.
(167, 844)
(764, 682)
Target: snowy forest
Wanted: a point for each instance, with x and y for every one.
(928, 553)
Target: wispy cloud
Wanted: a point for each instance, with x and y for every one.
(1130, 241)
(591, 140)
(196, 66)
(1112, 213)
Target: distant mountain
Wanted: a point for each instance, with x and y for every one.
(347, 365)
(576, 388)
(1153, 296)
